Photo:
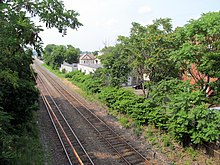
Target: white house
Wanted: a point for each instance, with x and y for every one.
(88, 63)
(89, 68)
(66, 67)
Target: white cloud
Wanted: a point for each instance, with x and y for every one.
(144, 9)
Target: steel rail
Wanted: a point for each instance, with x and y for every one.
(96, 129)
(72, 148)
(57, 121)
(53, 123)
(84, 150)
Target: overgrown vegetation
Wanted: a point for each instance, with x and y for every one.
(172, 105)
(19, 142)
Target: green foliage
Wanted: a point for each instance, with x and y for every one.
(18, 94)
(125, 102)
(86, 82)
(179, 109)
(206, 126)
(116, 71)
(199, 47)
(173, 105)
(55, 55)
(170, 107)
(148, 48)
(125, 122)
(72, 54)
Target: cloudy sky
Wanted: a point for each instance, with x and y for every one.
(105, 20)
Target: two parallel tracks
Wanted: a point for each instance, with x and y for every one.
(74, 149)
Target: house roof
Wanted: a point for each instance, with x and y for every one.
(67, 64)
(95, 66)
(87, 57)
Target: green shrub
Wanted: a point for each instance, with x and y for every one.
(173, 106)
(206, 124)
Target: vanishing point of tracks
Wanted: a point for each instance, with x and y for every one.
(75, 150)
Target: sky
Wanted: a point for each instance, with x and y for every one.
(104, 20)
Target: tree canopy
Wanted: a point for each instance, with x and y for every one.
(161, 53)
(116, 67)
(144, 52)
(55, 55)
(200, 50)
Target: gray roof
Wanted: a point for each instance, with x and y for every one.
(95, 66)
(71, 65)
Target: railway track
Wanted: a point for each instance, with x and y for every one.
(118, 145)
(72, 147)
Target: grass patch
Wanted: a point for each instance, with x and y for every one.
(125, 122)
(193, 153)
(138, 130)
(56, 72)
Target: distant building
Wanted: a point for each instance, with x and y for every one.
(87, 59)
(197, 76)
(88, 63)
(66, 67)
(132, 80)
(89, 68)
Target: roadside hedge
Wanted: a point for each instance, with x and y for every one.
(173, 106)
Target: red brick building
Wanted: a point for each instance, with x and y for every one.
(195, 77)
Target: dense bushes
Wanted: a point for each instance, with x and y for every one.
(173, 106)
(85, 81)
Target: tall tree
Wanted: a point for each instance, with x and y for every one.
(148, 49)
(72, 54)
(55, 55)
(115, 64)
(135, 49)
(47, 56)
(18, 35)
(160, 42)
(200, 51)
